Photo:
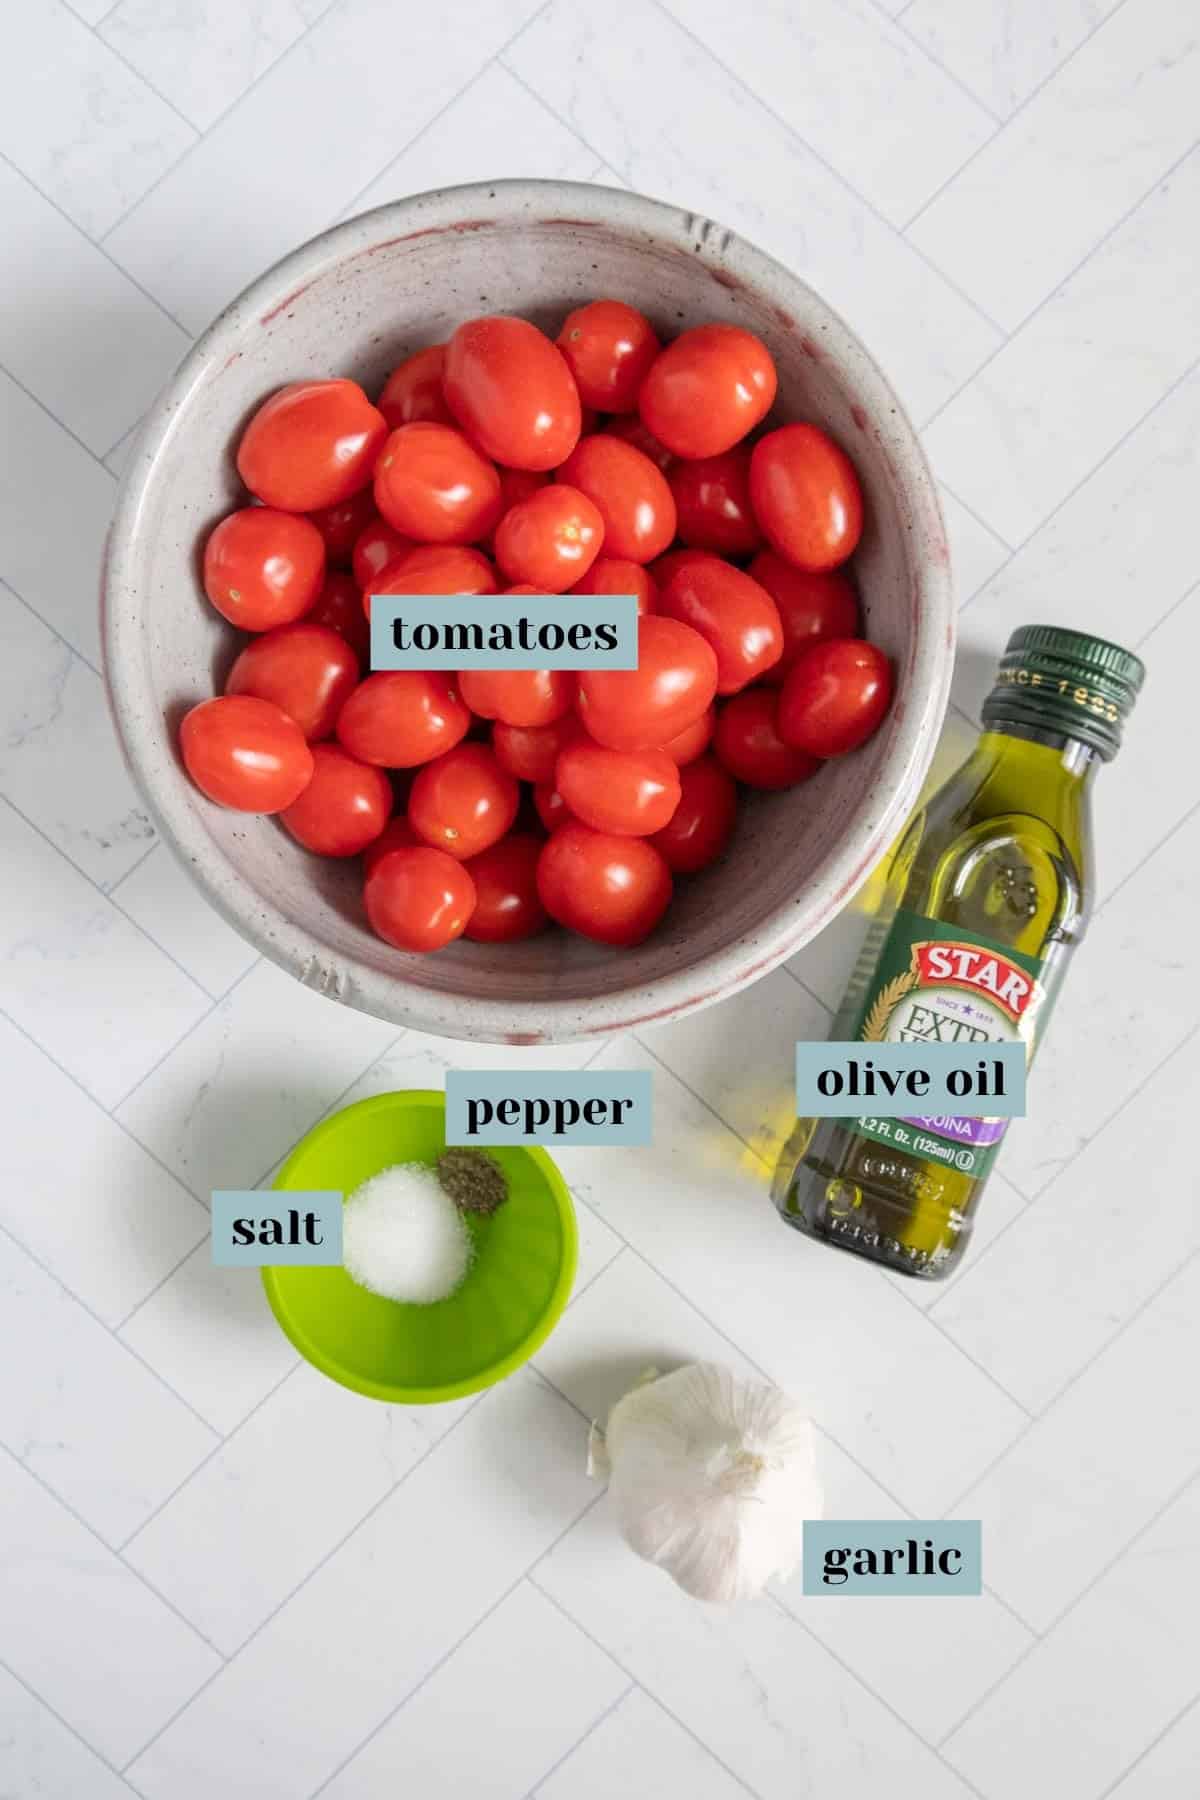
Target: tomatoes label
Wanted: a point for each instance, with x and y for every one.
(501, 632)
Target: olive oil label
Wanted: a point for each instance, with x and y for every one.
(935, 983)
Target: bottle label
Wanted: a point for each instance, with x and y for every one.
(938, 984)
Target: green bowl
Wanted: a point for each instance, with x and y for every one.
(514, 1292)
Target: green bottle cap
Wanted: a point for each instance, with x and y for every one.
(1059, 680)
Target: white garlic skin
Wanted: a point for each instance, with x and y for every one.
(712, 1478)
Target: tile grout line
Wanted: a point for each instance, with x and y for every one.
(1114, 450)
(52, 629)
(630, 1687)
(198, 131)
(40, 1700)
(209, 1011)
(1180, 824)
(626, 1670)
(958, 501)
(109, 1550)
(98, 246)
(1014, 114)
(1144, 1752)
(55, 420)
(1047, 299)
(803, 985)
(1095, 1580)
(955, 80)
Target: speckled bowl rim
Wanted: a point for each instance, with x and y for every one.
(912, 728)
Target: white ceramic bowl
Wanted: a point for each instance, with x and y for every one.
(355, 301)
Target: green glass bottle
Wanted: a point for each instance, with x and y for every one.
(986, 895)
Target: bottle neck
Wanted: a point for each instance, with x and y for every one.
(1059, 755)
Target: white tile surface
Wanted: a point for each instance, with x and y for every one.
(1121, 112)
(86, 1417)
(1042, 312)
(131, 1661)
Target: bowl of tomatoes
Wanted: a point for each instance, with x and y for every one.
(529, 388)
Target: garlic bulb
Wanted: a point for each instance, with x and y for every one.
(712, 1478)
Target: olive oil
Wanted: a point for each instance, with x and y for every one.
(986, 895)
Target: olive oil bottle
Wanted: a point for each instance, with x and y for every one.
(986, 895)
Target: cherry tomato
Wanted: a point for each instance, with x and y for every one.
(374, 548)
(344, 807)
(702, 824)
(633, 498)
(664, 568)
(812, 605)
(311, 445)
(631, 792)
(521, 697)
(245, 753)
(552, 809)
(339, 606)
(397, 834)
(435, 569)
(551, 539)
(612, 889)
(834, 696)
(431, 483)
(630, 429)
(694, 741)
(806, 496)
(510, 389)
(708, 389)
(747, 743)
(400, 718)
(306, 670)
(672, 686)
(507, 907)
(413, 390)
(617, 575)
(418, 898)
(609, 347)
(531, 752)
(341, 525)
(515, 485)
(463, 802)
(263, 568)
(736, 616)
(712, 500)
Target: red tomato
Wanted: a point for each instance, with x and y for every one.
(552, 809)
(531, 752)
(413, 390)
(631, 792)
(812, 606)
(339, 606)
(672, 686)
(374, 548)
(402, 717)
(515, 485)
(431, 483)
(609, 347)
(631, 494)
(306, 670)
(712, 499)
(551, 539)
(617, 575)
(510, 389)
(418, 898)
(263, 568)
(806, 496)
(694, 741)
(747, 743)
(612, 889)
(310, 445)
(245, 753)
(702, 824)
(834, 696)
(736, 616)
(630, 429)
(668, 566)
(397, 834)
(435, 569)
(463, 802)
(344, 807)
(507, 907)
(341, 525)
(708, 389)
(521, 697)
